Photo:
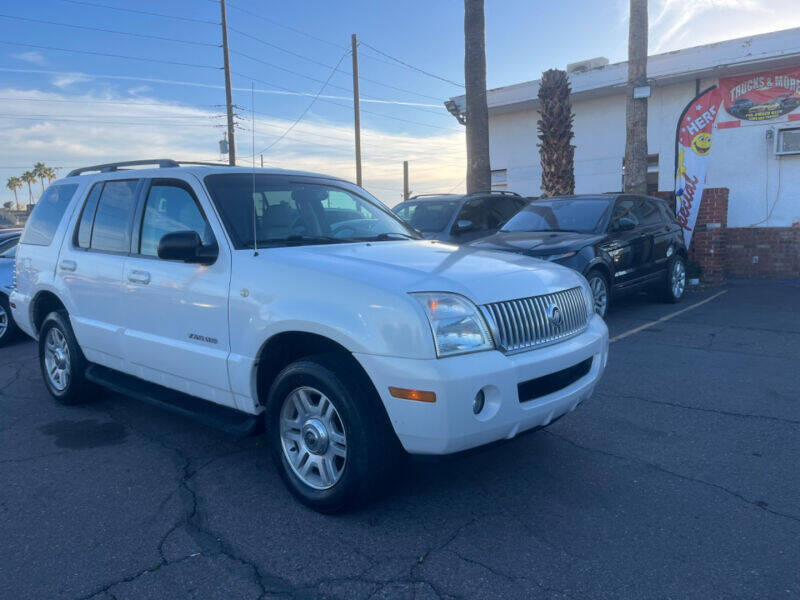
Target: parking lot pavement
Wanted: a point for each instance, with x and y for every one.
(678, 479)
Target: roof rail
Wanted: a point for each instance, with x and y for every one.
(163, 163)
(497, 192)
(432, 195)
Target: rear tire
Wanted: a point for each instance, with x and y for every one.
(674, 285)
(601, 291)
(62, 361)
(8, 328)
(329, 439)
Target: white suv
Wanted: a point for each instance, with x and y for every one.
(301, 302)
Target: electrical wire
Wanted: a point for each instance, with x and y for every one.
(363, 110)
(107, 54)
(405, 64)
(310, 104)
(114, 31)
(282, 26)
(327, 66)
(142, 12)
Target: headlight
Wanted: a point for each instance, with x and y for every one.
(558, 256)
(457, 325)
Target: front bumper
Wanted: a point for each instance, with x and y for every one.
(449, 425)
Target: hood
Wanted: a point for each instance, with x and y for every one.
(537, 243)
(417, 266)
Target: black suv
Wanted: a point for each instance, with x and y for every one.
(620, 242)
(459, 218)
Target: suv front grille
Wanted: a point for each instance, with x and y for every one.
(526, 323)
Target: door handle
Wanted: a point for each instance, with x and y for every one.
(68, 265)
(142, 277)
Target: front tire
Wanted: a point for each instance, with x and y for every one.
(675, 281)
(327, 435)
(601, 291)
(61, 360)
(8, 328)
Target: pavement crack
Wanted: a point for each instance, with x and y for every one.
(656, 467)
(701, 409)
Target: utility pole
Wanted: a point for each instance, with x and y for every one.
(228, 96)
(635, 178)
(356, 108)
(405, 181)
(262, 161)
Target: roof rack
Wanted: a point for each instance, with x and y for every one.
(431, 195)
(163, 163)
(497, 192)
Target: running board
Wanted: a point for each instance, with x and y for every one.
(229, 420)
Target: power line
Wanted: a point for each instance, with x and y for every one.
(93, 121)
(310, 104)
(142, 12)
(121, 102)
(287, 27)
(324, 99)
(405, 64)
(114, 31)
(107, 54)
(339, 87)
(327, 66)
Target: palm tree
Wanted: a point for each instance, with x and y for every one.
(29, 178)
(14, 184)
(636, 108)
(479, 173)
(555, 132)
(50, 173)
(40, 172)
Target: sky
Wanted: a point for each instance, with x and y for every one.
(92, 81)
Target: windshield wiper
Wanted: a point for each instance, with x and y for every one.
(387, 236)
(296, 240)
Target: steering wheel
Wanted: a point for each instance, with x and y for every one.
(339, 231)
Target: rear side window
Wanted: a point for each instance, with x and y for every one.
(501, 210)
(114, 217)
(84, 238)
(47, 214)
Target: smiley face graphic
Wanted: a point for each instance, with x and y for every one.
(701, 143)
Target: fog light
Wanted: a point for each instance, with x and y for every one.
(477, 404)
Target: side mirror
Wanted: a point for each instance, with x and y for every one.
(186, 246)
(625, 224)
(464, 225)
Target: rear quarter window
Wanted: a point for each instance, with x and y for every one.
(47, 214)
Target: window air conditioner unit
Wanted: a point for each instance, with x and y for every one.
(787, 141)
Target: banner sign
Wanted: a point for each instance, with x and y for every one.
(693, 145)
(761, 96)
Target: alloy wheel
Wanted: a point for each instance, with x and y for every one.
(678, 278)
(599, 294)
(313, 438)
(3, 321)
(56, 359)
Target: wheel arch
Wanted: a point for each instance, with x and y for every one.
(43, 303)
(286, 347)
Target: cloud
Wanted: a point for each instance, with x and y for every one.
(81, 129)
(67, 79)
(676, 24)
(33, 56)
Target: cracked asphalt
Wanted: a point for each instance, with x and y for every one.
(679, 478)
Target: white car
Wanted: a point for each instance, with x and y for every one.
(301, 302)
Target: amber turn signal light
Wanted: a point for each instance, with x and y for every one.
(418, 395)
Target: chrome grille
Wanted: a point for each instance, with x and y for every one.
(523, 324)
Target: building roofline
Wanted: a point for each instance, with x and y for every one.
(730, 57)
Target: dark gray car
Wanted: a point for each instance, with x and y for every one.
(460, 218)
(8, 245)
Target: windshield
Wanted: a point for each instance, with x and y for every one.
(430, 216)
(582, 215)
(298, 212)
